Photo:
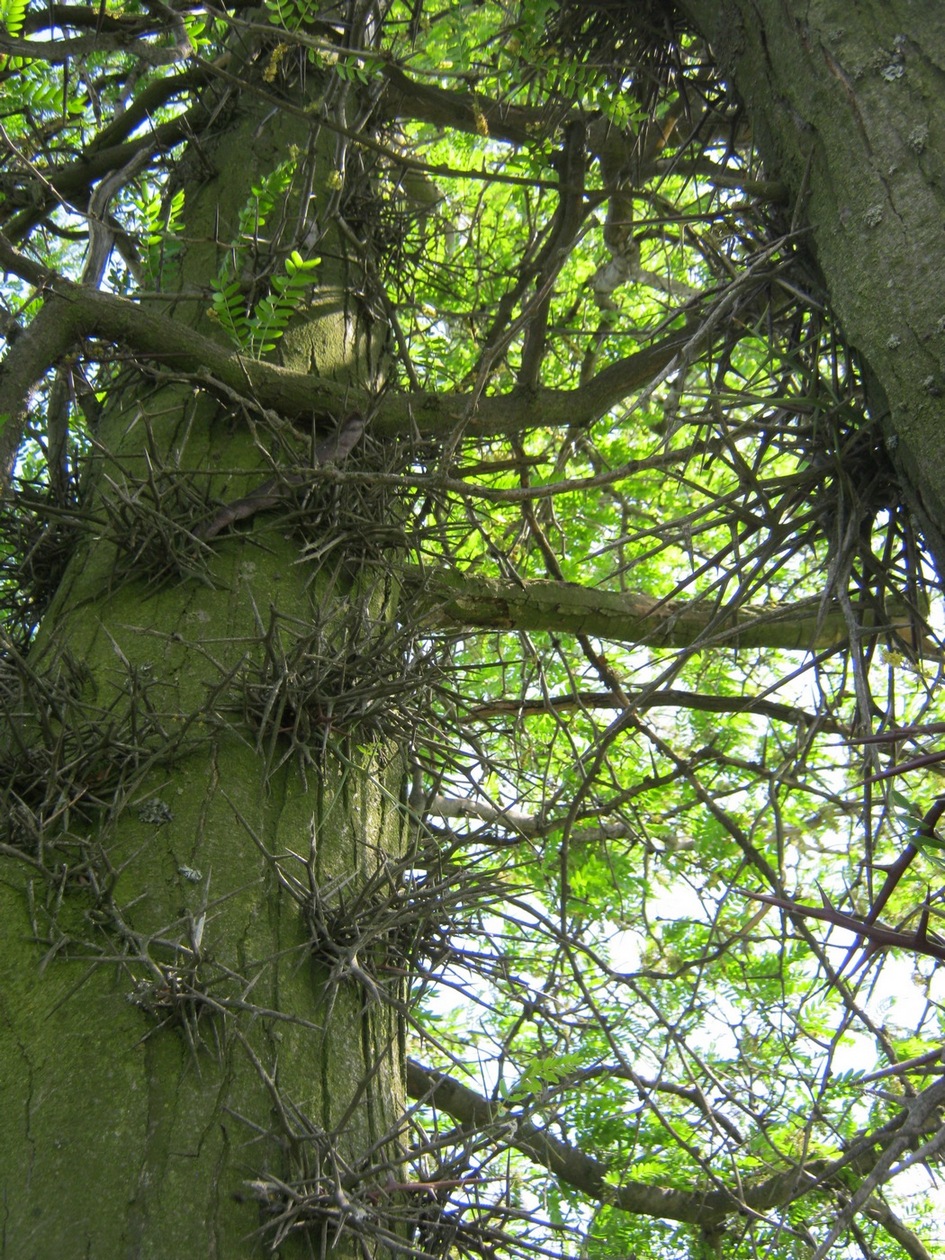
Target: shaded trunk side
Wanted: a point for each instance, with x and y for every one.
(845, 105)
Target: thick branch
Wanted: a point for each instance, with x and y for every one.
(55, 52)
(589, 1175)
(878, 934)
(300, 395)
(72, 183)
(458, 601)
(47, 340)
(513, 824)
(60, 17)
(462, 111)
(145, 104)
(566, 1162)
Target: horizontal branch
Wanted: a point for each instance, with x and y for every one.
(566, 1162)
(513, 824)
(706, 1208)
(462, 111)
(458, 601)
(665, 697)
(73, 182)
(590, 1176)
(171, 342)
(55, 52)
(878, 934)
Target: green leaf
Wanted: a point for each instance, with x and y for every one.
(12, 15)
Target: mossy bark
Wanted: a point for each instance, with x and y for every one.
(845, 103)
(175, 1046)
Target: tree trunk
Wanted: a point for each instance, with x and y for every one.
(205, 805)
(844, 104)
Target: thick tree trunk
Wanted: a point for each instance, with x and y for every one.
(196, 806)
(845, 102)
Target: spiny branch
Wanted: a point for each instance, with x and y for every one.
(877, 933)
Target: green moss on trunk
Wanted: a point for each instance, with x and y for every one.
(183, 1036)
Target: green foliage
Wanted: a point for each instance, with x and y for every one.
(199, 31)
(546, 1071)
(161, 224)
(358, 69)
(264, 197)
(12, 15)
(291, 15)
(255, 332)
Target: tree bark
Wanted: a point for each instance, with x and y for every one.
(460, 600)
(844, 102)
(195, 809)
